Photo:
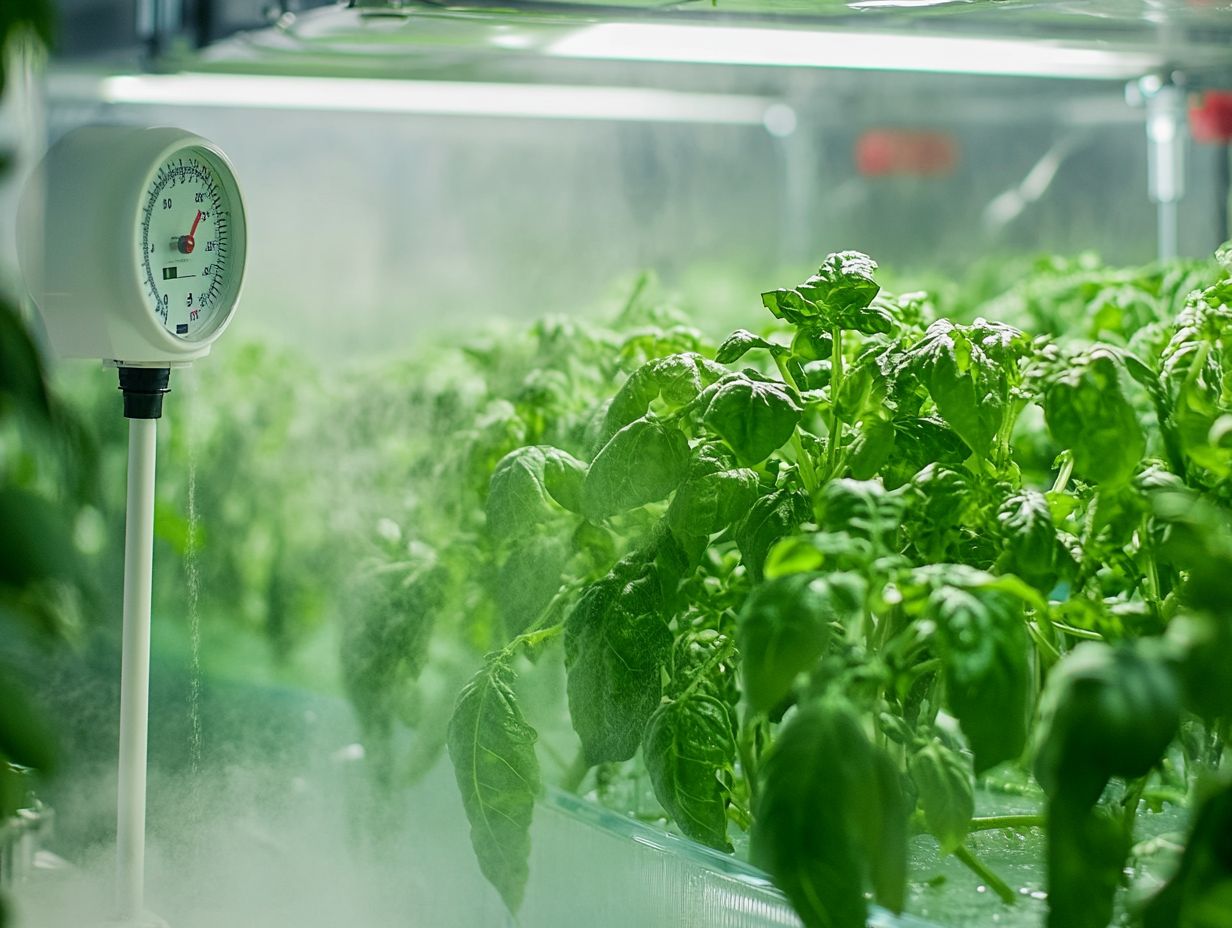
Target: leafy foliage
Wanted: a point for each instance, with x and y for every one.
(1106, 712)
(1088, 414)
(754, 416)
(982, 641)
(616, 645)
(35, 18)
(688, 743)
(831, 819)
(785, 626)
(821, 590)
(493, 754)
(819, 581)
(643, 462)
(946, 784)
(46, 476)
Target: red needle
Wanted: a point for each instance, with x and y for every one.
(187, 242)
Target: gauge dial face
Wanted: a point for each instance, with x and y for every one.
(190, 259)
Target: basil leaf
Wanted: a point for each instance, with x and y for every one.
(1087, 413)
(830, 818)
(844, 289)
(844, 282)
(940, 501)
(791, 307)
(1105, 712)
(919, 442)
(645, 461)
(983, 645)
(1030, 547)
(838, 296)
(755, 416)
(528, 578)
(522, 484)
(715, 495)
(681, 377)
(809, 346)
(740, 343)
(863, 509)
(945, 782)
(493, 753)
(677, 378)
(563, 476)
(697, 667)
(872, 448)
(772, 517)
(688, 743)
(784, 628)
(968, 372)
(616, 645)
(1086, 854)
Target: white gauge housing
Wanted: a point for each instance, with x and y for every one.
(132, 243)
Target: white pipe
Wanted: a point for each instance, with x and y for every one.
(135, 671)
(1165, 132)
(1168, 226)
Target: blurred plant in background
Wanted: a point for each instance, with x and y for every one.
(46, 475)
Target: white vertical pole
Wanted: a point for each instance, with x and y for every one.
(135, 672)
(1166, 127)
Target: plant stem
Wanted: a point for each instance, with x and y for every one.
(540, 631)
(1063, 475)
(807, 472)
(1170, 794)
(532, 638)
(923, 667)
(748, 763)
(1151, 573)
(836, 383)
(1005, 433)
(1195, 366)
(576, 773)
(740, 814)
(1046, 648)
(1074, 631)
(803, 461)
(1133, 796)
(537, 633)
(981, 869)
(998, 822)
(1090, 563)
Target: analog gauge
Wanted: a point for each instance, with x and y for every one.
(132, 244)
(190, 246)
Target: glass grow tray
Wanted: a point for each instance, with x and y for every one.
(652, 878)
(589, 865)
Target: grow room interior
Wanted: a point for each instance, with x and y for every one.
(735, 464)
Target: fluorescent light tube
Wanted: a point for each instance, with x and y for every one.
(441, 98)
(843, 49)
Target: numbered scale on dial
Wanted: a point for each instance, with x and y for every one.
(186, 245)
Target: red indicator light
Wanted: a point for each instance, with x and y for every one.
(915, 153)
(1210, 119)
